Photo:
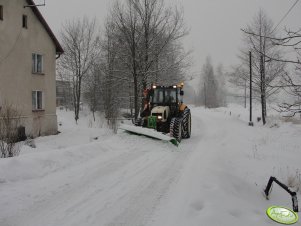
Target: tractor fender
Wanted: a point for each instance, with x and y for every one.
(182, 107)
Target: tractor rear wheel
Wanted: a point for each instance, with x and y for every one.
(176, 128)
(186, 126)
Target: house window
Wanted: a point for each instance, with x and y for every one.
(37, 63)
(1, 12)
(37, 100)
(24, 21)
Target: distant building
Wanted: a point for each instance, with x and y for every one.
(63, 93)
(28, 52)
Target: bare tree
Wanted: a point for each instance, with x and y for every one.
(292, 39)
(172, 65)
(208, 92)
(267, 74)
(291, 83)
(93, 89)
(80, 41)
(239, 76)
(64, 87)
(9, 124)
(221, 84)
(161, 28)
(147, 29)
(114, 65)
(126, 22)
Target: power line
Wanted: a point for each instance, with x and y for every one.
(286, 15)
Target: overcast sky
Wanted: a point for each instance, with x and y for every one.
(214, 24)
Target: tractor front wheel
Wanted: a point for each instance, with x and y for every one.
(176, 128)
(186, 127)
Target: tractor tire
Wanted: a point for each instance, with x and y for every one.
(186, 124)
(176, 128)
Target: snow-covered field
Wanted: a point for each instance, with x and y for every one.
(87, 176)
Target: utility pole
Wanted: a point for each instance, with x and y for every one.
(251, 123)
(205, 93)
(299, 98)
(262, 90)
(245, 93)
(262, 78)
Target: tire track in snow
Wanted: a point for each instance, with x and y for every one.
(148, 199)
(125, 190)
(65, 187)
(91, 191)
(179, 202)
(204, 176)
(147, 196)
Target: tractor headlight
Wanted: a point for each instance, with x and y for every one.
(159, 117)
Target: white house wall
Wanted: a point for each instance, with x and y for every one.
(16, 78)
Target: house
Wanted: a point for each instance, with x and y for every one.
(28, 53)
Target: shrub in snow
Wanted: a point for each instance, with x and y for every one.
(9, 127)
(30, 143)
(294, 180)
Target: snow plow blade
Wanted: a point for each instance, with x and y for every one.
(148, 133)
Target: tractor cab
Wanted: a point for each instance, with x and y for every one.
(162, 96)
(165, 102)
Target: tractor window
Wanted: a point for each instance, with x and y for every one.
(171, 96)
(164, 96)
(158, 96)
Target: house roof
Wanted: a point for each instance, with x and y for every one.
(38, 14)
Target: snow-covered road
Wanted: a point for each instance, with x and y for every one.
(214, 178)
